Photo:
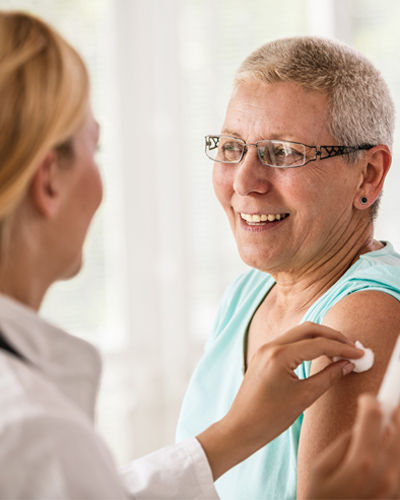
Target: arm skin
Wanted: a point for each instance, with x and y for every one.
(271, 396)
(361, 463)
(373, 318)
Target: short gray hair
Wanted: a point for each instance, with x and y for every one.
(361, 110)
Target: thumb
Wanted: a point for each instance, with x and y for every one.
(320, 382)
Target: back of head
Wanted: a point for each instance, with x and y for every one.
(44, 89)
(360, 106)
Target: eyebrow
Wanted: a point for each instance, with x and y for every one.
(272, 137)
(230, 132)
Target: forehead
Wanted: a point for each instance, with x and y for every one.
(89, 129)
(281, 110)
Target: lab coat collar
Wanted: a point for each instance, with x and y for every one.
(70, 363)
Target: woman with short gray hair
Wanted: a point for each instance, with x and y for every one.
(299, 167)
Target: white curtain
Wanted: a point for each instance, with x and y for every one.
(159, 253)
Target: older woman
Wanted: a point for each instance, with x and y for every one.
(50, 189)
(299, 166)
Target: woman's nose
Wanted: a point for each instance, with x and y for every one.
(251, 176)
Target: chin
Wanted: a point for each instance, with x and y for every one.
(252, 260)
(263, 263)
(73, 269)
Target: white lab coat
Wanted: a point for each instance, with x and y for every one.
(48, 445)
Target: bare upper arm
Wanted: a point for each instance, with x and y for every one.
(373, 318)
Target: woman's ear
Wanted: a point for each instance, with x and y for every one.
(377, 164)
(45, 186)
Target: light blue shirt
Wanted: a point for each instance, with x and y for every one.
(271, 473)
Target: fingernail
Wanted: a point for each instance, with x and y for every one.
(348, 368)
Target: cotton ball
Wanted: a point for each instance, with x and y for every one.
(361, 364)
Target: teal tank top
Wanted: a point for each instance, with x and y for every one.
(270, 473)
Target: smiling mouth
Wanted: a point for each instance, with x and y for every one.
(262, 219)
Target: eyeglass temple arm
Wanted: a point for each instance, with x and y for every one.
(212, 142)
(339, 150)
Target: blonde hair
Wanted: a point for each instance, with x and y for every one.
(44, 93)
(360, 107)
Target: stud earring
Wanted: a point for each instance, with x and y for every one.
(364, 200)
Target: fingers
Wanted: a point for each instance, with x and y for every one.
(309, 341)
(312, 348)
(319, 383)
(310, 330)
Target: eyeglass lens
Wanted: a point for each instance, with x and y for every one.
(271, 152)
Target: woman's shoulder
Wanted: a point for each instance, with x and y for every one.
(378, 260)
(377, 270)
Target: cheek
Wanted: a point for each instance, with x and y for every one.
(98, 183)
(94, 187)
(88, 198)
(222, 179)
(306, 190)
(324, 197)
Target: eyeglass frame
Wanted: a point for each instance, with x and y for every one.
(331, 150)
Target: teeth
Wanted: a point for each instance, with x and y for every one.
(262, 217)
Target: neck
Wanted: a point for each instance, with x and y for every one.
(19, 280)
(25, 267)
(298, 288)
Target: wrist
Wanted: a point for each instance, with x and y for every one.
(216, 442)
(225, 446)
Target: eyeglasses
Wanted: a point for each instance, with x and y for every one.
(273, 153)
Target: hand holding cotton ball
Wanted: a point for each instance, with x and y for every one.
(362, 364)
